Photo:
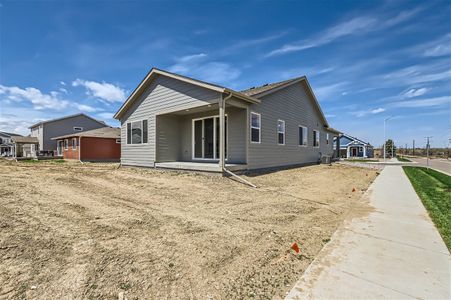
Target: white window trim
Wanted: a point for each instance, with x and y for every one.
(214, 138)
(253, 127)
(306, 137)
(284, 132)
(126, 139)
(66, 144)
(77, 128)
(327, 139)
(318, 139)
(74, 139)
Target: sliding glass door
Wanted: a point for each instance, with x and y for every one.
(206, 138)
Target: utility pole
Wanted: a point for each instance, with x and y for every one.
(406, 150)
(413, 148)
(427, 150)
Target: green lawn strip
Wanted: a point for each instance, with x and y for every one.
(401, 158)
(434, 189)
(29, 161)
(58, 161)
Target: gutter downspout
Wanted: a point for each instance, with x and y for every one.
(79, 150)
(222, 102)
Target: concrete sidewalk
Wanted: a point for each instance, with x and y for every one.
(393, 253)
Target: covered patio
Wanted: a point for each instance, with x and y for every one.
(199, 166)
(199, 139)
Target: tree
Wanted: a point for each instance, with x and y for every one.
(388, 147)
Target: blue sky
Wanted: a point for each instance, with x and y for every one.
(366, 60)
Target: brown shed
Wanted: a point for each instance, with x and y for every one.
(103, 144)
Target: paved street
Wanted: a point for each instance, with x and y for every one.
(395, 252)
(438, 163)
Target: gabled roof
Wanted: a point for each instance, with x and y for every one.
(9, 134)
(251, 95)
(353, 139)
(155, 72)
(25, 140)
(66, 117)
(270, 88)
(266, 87)
(104, 132)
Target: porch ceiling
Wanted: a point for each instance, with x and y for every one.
(199, 109)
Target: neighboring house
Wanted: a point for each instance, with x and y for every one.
(6, 145)
(173, 121)
(102, 144)
(46, 130)
(353, 147)
(24, 146)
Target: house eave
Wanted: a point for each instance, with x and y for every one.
(154, 71)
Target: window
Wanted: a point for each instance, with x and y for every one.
(66, 144)
(74, 143)
(327, 139)
(281, 132)
(315, 138)
(137, 132)
(255, 127)
(78, 128)
(302, 136)
(118, 141)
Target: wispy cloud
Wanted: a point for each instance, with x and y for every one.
(414, 92)
(436, 48)
(38, 99)
(363, 113)
(85, 108)
(323, 93)
(427, 102)
(252, 42)
(102, 90)
(356, 26)
(198, 66)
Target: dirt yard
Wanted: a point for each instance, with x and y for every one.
(93, 231)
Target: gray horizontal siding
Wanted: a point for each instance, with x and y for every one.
(296, 107)
(164, 95)
(63, 127)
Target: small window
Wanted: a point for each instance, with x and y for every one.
(302, 136)
(315, 138)
(78, 128)
(281, 132)
(66, 144)
(255, 127)
(74, 143)
(118, 141)
(137, 132)
(327, 139)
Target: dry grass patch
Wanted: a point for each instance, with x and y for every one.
(92, 231)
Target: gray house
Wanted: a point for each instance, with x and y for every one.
(173, 121)
(6, 145)
(46, 130)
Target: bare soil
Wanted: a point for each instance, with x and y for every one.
(93, 231)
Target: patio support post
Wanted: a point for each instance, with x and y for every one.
(221, 132)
